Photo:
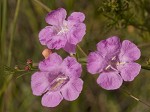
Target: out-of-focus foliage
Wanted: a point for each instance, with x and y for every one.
(128, 19)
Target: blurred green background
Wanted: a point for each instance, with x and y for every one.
(20, 23)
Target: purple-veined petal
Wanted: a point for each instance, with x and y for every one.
(95, 63)
(56, 17)
(76, 32)
(46, 33)
(70, 48)
(77, 16)
(129, 71)
(56, 42)
(109, 80)
(52, 99)
(109, 47)
(129, 52)
(51, 63)
(72, 89)
(71, 67)
(39, 83)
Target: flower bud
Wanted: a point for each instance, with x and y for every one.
(27, 68)
(16, 67)
(46, 52)
(29, 61)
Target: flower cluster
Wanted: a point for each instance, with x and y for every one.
(59, 79)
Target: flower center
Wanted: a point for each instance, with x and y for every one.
(63, 29)
(58, 82)
(114, 62)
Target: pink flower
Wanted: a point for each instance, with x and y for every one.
(63, 33)
(57, 80)
(114, 61)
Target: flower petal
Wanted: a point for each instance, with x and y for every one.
(39, 83)
(52, 99)
(52, 62)
(56, 17)
(76, 32)
(76, 16)
(72, 89)
(109, 80)
(129, 52)
(95, 63)
(56, 42)
(71, 67)
(46, 33)
(70, 48)
(109, 47)
(129, 71)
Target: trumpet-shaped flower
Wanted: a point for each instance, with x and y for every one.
(114, 61)
(61, 32)
(57, 80)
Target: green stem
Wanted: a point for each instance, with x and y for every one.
(3, 18)
(12, 33)
(81, 51)
(3, 30)
(82, 60)
(6, 84)
(43, 6)
(135, 98)
(146, 67)
(23, 74)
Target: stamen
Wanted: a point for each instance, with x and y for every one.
(107, 67)
(120, 63)
(63, 78)
(59, 82)
(114, 68)
(113, 58)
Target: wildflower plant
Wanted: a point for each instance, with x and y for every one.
(58, 78)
